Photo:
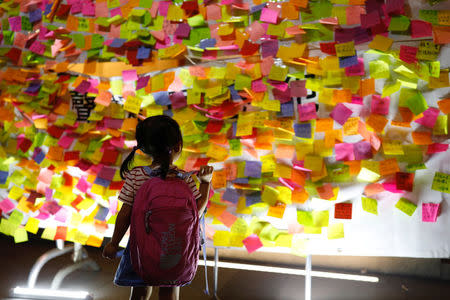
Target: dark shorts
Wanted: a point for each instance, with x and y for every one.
(125, 275)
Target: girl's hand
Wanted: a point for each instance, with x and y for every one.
(110, 250)
(205, 173)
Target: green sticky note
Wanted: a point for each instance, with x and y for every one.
(196, 35)
(441, 182)
(417, 103)
(145, 3)
(196, 21)
(429, 15)
(406, 206)
(370, 205)
(79, 41)
(414, 167)
(399, 23)
(305, 218)
(320, 218)
(83, 24)
(114, 3)
(435, 69)
(20, 235)
(389, 89)
(379, 69)
(243, 81)
(7, 227)
(235, 147)
(16, 217)
(269, 233)
(97, 41)
(440, 127)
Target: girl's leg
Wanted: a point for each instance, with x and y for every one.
(141, 293)
(169, 293)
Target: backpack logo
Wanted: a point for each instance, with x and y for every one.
(171, 248)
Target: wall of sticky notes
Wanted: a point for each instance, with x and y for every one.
(326, 120)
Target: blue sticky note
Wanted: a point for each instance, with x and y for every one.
(303, 130)
(241, 180)
(348, 61)
(207, 43)
(257, 8)
(287, 109)
(102, 213)
(162, 98)
(3, 177)
(38, 155)
(253, 169)
(35, 15)
(234, 94)
(117, 43)
(48, 8)
(143, 53)
(231, 195)
(252, 198)
(102, 182)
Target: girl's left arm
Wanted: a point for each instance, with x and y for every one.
(122, 223)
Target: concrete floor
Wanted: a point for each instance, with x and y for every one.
(400, 278)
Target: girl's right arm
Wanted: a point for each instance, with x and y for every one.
(205, 176)
(122, 223)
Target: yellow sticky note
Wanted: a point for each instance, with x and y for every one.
(217, 152)
(406, 206)
(284, 240)
(345, 49)
(278, 72)
(20, 235)
(313, 163)
(299, 246)
(270, 195)
(381, 43)
(133, 104)
(221, 238)
(336, 231)
(370, 205)
(15, 193)
(32, 225)
(367, 175)
(240, 226)
(49, 233)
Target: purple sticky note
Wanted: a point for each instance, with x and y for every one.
(252, 243)
(380, 105)
(269, 15)
(106, 173)
(344, 151)
(35, 15)
(287, 109)
(162, 98)
(357, 69)
(117, 43)
(207, 43)
(253, 169)
(269, 48)
(142, 82)
(183, 30)
(307, 111)
(341, 113)
(178, 100)
(348, 61)
(303, 130)
(15, 23)
(101, 213)
(252, 198)
(129, 75)
(429, 117)
(143, 53)
(231, 195)
(83, 87)
(101, 181)
(430, 212)
(362, 150)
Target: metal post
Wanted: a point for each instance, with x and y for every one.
(308, 278)
(216, 270)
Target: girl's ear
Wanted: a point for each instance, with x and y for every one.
(177, 148)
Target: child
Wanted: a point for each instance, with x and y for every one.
(159, 137)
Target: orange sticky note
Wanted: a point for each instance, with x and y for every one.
(219, 179)
(55, 153)
(324, 125)
(373, 188)
(367, 87)
(388, 167)
(377, 122)
(381, 43)
(422, 137)
(284, 151)
(277, 210)
(299, 195)
(216, 209)
(355, 166)
(444, 105)
(227, 218)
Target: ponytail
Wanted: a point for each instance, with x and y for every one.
(164, 160)
(125, 167)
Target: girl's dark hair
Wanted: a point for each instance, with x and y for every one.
(156, 136)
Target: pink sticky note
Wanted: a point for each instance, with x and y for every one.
(429, 117)
(82, 185)
(252, 243)
(256, 31)
(436, 147)
(37, 47)
(113, 205)
(101, 9)
(88, 9)
(380, 105)
(298, 88)
(61, 215)
(341, 113)
(430, 212)
(178, 100)
(258, 86)
(269, 15)
(7, 205)
(15, 23)
(408, 54)
(356, 70)
(65, 142)
(354, 14)
(213, 12)
(307, 111)
(48, 194)
(344, 151)
(420, 29)
(45, 176)
(129, 75)
(362, 150)
(163, 7)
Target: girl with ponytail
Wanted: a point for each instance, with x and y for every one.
(160, 138)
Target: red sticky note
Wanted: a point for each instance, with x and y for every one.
(408, 54)
(328, 48)
(178, 100)
(380, 105)
(252, 243)
(343, 211)
(420, 29)
(404, 181)
(430, 212)
(214, 126)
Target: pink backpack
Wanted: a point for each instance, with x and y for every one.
(164, 237)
